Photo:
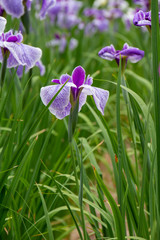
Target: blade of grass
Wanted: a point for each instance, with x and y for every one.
(49, 227)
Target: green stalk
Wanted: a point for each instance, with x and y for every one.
(156, 87)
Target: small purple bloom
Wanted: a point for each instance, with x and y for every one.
(18, 53)
(14, 8)
(77, 87)
(128, 53)
(46, 5)
(98, 20)
(61, 42)
(142, 18)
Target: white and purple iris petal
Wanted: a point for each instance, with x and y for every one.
(78, 87)
(129, 53)
(2, 24)
(14, 8)
(19, 53)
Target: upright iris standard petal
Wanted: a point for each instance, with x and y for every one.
(76, 89)
(78, 76)
(13, 7)
(2, 24)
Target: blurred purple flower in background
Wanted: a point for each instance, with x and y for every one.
(128, 53)
(98, 20)
(61, 41)
(62, 13)
(17, 52)
(77, 88)
(143, 18)
(46, 5)
(15, 8)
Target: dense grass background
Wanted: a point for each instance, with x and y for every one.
(41, 198)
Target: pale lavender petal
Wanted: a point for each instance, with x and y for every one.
(14, 8)
(41, 67)
(22, 54)
(62, 114)
(73, 43)
(100, 96)
(3, 22)
(78, 76)
(62, 99)
(20, 71)
(82, 99)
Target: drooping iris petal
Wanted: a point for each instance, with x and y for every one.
(82, 99)
(61, 114)
(22, 54)
(2, 24)
(13, 7)
(78, 76)
(100, 96)
(133, 54)
(107, 53)
(62, 99)
(41, 67)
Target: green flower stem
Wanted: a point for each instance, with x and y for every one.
(156, 87)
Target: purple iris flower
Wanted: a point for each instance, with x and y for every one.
(77, 88)
(15, 8)
(144, 4)
(64, 13)
(17, 52)
(143, 18)
(61, 42)
(128, 53)
(46, 5)
(98, 20)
